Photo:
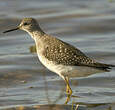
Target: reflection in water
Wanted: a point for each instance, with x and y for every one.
(65, 107)
(32, 49)
(69, 95)
(47, 93)
(86, 24)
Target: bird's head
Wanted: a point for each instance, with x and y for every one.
(27, 24)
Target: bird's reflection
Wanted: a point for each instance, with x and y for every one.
(75, 105)
(32, 49)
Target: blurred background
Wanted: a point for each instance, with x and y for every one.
(86, 24)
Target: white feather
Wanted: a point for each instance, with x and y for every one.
(70, 71)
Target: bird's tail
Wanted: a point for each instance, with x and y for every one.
(103, 66)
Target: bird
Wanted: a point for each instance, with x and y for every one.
(60, 57)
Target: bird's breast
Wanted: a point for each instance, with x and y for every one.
(51, 65)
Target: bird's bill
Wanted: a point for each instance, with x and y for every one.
(11, 30)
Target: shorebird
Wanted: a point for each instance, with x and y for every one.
(60, 57)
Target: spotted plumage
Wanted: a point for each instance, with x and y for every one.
(63, 53)
(60, 57)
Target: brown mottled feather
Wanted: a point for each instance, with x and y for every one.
(66, 54)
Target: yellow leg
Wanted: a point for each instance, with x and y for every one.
(76, 106)
(68, 89)
(68, 99)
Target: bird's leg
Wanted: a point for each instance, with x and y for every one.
(68, 99)
(68, 89)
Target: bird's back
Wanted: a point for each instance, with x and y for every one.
(63, 53)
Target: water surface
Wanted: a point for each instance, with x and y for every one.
(86, 24)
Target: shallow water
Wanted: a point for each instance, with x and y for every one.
(86, 24)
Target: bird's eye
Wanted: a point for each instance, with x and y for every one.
(25, 24)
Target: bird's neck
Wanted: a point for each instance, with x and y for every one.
(36, 34)
(38, 37)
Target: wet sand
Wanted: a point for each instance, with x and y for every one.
(25, 84)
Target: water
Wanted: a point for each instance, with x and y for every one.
(86, 24)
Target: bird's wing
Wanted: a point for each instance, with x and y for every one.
(66, 54)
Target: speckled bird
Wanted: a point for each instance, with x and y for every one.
(60, 57)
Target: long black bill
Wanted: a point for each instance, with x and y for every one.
(11, 30)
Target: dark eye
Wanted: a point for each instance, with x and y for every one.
(25, 24)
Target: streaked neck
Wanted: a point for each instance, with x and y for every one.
(36, 34)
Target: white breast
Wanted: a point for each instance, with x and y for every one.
(50, 65)
(70, 71)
